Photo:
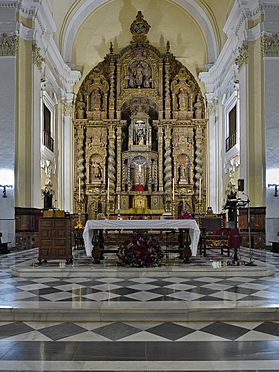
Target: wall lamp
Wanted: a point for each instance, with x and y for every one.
(275, 185)
(4, 187)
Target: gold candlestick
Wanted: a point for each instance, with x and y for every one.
(173, 209)
(79, 224)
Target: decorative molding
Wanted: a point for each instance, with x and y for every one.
(231, 168)
(67, 108)
(24, 32)
(242, 56)
(8, 45)
(270, 45)
(38, 60)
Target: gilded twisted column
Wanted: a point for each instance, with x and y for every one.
(198, 159)
(111, 159)
(168, 161)
(160, 154)
(80, 158)
(167, 91)
(112, 89)
(119, 140)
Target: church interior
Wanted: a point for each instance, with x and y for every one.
(139, 175)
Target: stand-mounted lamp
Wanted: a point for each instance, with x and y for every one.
(4, 187)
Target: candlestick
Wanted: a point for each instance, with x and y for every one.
(79, 189)
(173, 189)
(108, 190)
(200, 190)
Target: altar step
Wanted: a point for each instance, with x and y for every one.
(174, 311)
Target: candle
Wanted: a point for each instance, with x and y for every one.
(108, 190)
(79, 189)
(173, 189)
(200, 190)
(118, 202)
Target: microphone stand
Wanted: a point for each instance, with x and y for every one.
(250, 263)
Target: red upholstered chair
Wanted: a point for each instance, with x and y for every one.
(213, 233)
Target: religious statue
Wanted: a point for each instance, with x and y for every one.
(80, 106)
(96, 100)
(182, 100)
(198, 108)
(140, 136)
(95, 171)
(139, 75)
(184, 171)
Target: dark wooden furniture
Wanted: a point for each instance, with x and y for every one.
(55, 239)
(27, 227)
(257, 222)
(3, 246)
(213, 234)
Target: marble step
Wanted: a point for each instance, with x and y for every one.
(137, 311)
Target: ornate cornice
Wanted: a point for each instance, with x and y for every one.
(38, 60)
(270, 45)
(8, 45)
(242, 56)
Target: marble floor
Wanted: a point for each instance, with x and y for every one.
(139, 323)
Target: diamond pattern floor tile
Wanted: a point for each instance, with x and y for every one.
(116, 331)
(59, 331)
(170, 331)
(224, 330)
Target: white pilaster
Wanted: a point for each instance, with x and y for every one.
(37, 134)
(7, 148)
(243, 127)
(67, 158)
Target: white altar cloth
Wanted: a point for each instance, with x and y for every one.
(91, 225)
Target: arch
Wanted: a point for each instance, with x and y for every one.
(78, 17)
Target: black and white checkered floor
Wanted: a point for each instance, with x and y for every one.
(52, 345)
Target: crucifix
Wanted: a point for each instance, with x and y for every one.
(275, 185)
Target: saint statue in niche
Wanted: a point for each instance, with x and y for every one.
(139, 75)
(184, 171)
(140, 136)
(95, 171)
(80, 106)
(96, 100)
(182, 100)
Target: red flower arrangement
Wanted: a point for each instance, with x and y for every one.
(185, 215)
(141, 251)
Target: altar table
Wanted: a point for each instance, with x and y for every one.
(92, 225)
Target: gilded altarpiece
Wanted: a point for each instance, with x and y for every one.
(140, 133)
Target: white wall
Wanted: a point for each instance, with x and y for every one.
(271, 70)
(7, 146)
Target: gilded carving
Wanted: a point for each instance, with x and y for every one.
(270, 45)
(38, 60)
(242, 56)
(139, 128)
(8, 45)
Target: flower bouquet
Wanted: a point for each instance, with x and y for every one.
(141, 251)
